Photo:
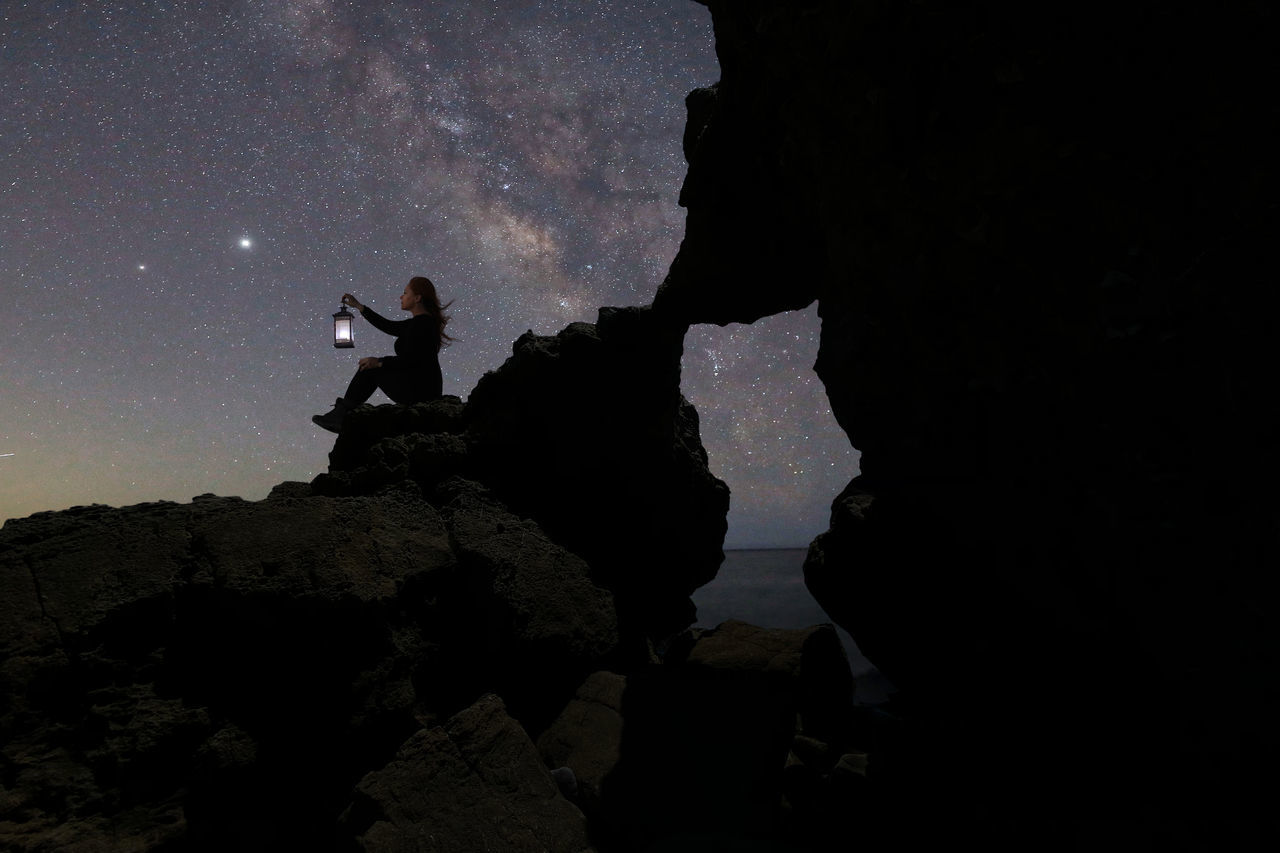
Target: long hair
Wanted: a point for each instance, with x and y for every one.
(422, 286)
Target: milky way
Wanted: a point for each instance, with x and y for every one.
(186, 189)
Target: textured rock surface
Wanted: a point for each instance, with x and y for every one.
(587, 736)
(475, 783)
(234, 675)
(586, 433)
(1039, 239)
(693, 751)
(540, 621)
(222, 672)
(1039, 246)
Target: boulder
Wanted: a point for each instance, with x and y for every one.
(809, 665)
(368, 425)
(585, 433)
(224, 674)
(695, 748)
(587, 735)
(220, 673)
(475, 783)
(538, 623)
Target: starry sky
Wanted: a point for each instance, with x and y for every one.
(187, 187)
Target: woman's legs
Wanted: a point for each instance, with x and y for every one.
(362, 386)
(397, 386)
(360, 389)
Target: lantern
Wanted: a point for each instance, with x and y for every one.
(342, 336)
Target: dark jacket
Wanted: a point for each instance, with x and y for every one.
(417, 359)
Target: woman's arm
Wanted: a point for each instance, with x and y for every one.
(382, 324)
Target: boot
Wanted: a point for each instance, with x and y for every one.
(332, 419)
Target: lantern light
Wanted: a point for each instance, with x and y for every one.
(342, 336)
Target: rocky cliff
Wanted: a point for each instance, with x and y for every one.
(399, 654)
(1038, 242)
(386, 672)
(1040, 239)
(586, 432)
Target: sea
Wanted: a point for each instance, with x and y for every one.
(766, 588)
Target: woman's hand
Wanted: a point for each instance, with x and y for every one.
(369, 363)
(348, 299)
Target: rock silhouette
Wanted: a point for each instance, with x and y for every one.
(1039, 241)
(1039, 247)
(227, 674)
(586, 433)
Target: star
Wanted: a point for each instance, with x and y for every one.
(246, 243)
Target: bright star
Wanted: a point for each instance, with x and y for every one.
(246, 243)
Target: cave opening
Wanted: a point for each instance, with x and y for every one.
(770, 434)
(768, 427)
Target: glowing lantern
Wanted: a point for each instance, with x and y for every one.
(342, 336)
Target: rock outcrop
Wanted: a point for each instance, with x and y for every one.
(586, 433)
(475, 783)
(370, 672)
(705, 749)
(1037, 247)
(1039, 240)
(223, 672)
(364, 661)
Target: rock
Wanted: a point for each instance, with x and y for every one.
(850, 769)
(812, 753)
(569, 419)
(226, 670)
(541, 622)
(1041, 286)
(290, 490)
(809, 663)
(367, 425)
(475, 783)
(596, 410)
(1044, 339)
(587, 735)
(220, 674)
(567, 781)
(695, 747)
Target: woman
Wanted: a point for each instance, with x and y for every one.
(412, 375)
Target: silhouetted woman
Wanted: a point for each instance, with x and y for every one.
(412, 375)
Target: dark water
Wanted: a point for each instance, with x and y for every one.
(766, 588)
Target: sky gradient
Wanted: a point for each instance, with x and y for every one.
(186, 189)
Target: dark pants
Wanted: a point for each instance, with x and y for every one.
(400, 386)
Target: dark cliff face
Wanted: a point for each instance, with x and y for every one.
(224, 673)
(586, 433)
(1039, 242)
(1039, 252)
(219, 675)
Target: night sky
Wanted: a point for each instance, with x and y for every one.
(187, 188)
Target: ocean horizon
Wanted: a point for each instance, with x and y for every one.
(765, 587)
